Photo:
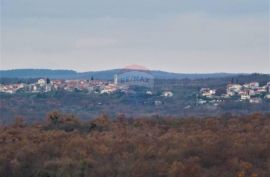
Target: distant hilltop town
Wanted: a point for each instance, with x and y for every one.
(47, 85)
(252, 92)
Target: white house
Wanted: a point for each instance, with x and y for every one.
(110, 88)
(42, 81)
(245, 97)
(167, 94)
(207, 92)
(48, 88)
(234, 87)
(267, 96)
(254, 85)
(261, 90)
(148, 92)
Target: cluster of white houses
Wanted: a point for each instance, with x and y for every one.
(252, 92)
(91, 86)
(47, 85)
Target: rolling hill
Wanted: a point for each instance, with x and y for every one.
(106, 74)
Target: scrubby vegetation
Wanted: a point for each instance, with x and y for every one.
(64, 146)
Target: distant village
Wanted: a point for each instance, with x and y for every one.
(90, 86)
(47, 85)
(250, 92)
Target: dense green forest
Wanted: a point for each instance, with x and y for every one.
(65, 146)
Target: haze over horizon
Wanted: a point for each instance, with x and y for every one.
(101, 70)
(187, 36)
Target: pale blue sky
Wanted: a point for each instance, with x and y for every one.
(188, 36)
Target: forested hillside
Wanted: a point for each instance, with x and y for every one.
(34, 106)
(105, 75)
(64, 146)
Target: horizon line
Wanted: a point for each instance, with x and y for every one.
(159, 70)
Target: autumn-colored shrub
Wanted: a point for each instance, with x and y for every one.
(65, 146)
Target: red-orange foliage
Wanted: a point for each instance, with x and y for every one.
(64, 146)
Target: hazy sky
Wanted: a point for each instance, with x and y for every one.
(188, 36)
